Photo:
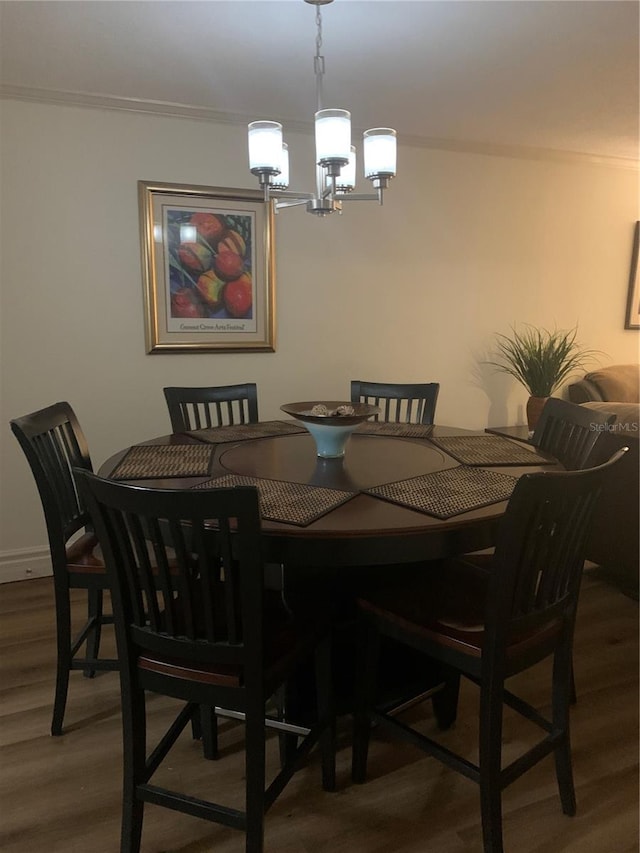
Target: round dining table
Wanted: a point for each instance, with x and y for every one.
(361, 540)
(365, 530)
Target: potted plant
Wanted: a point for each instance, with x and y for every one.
(541, 361)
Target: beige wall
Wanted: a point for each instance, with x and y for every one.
(465, 246)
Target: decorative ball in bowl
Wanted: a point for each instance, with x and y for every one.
(330, 422)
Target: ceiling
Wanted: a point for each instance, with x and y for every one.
(521, 76)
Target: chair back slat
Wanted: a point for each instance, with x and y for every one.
(201, 594)
(201, 408)
(54, 444)
(540, 549)
(232, 589)
(142, 598)
(570, 432)
(399, 403)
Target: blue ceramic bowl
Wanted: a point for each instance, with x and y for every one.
(330, 432)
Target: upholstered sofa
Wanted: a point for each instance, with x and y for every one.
(618, 383)
(615, 536)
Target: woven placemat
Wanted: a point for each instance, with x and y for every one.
(489, 450)
(244, 432)
(291, 503)
(155, 461)
(398, 430)
(450, 492)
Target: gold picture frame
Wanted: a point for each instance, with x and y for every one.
(632, 317)
(208, 268)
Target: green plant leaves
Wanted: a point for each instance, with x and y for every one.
(539, 359)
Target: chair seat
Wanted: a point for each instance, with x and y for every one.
(84, 555)
(447, 606)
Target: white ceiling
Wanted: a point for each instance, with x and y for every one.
(558, 75)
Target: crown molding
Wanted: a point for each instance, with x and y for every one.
(198, 113)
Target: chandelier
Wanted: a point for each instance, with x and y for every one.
(335, 155)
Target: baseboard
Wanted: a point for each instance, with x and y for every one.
(24, 563)
(623, 579)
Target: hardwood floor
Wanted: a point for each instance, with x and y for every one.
(62, 795)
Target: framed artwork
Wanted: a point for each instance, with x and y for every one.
(208, 269)
(632, 319)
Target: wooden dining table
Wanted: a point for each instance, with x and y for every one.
(363, 538)
(364, 530)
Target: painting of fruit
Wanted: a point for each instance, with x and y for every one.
(210, 288)
(208, 267)
(232, 242)
(184, 304)
(211, 274)
(210, 227)
(228, 265)
(238, 296)
(195, 257)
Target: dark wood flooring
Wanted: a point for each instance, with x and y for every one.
(62, 795)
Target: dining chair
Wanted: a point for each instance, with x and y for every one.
(205, 632)
(412, 403)
(54, 444)
(224, 405)
(491, 627)
(570, 432)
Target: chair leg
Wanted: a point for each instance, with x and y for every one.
(326, 714)
(63, 664)
(367, 653)
(255, 774)
(490, 754)
(285, 746)
(134, 737)
(562, 684)
(445, 701)
(94, 614)
(573, 696)
(288, 701)
(196, 727)
(208, 731)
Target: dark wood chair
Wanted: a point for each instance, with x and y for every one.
(199, 408)
(54, 443)
(490, 627)
(570, 432)
(413, 403)
(205, 631)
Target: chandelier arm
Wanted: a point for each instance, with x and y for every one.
(359, 196)
(292, 194)
(294, 202)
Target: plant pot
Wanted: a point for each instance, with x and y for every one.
(535, 405)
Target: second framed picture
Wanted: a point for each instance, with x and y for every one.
(632, 316)
(208, 269)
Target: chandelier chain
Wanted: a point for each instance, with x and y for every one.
(318, 60)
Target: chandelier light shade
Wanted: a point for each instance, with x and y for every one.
(333, 138)
(335, 155)
(379, 145)
(265, 147)
(281, 181)
(346, 182)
